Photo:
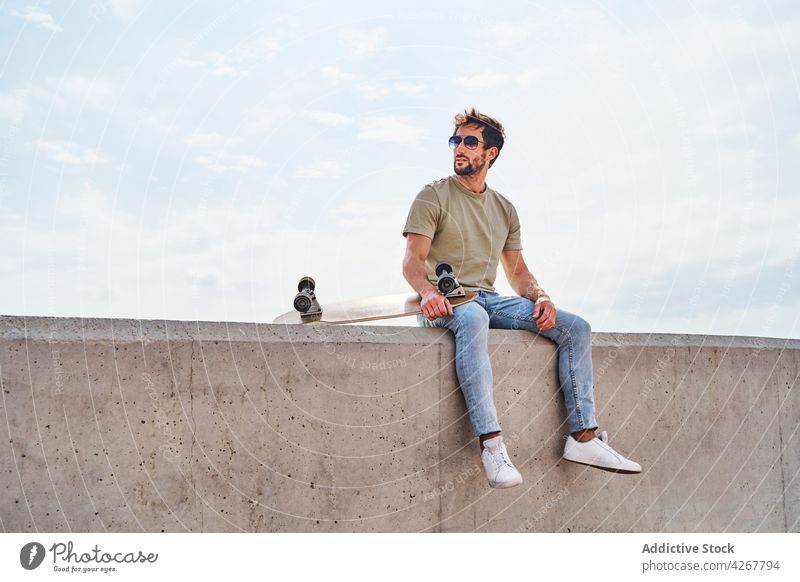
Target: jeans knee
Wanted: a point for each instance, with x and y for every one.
(472, 318)
(581, 327)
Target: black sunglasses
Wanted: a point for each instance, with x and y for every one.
(470, 141)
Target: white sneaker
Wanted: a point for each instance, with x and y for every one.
(500, 471)
(597, 453)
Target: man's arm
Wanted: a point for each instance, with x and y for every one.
(525, 284)
(433, 303)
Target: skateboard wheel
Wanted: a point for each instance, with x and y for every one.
(303, 301)
(446, 284)
(443, 266)
(306, 283)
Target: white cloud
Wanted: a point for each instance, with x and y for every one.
(373, 90)
(14, 104)
(162, 123)
(229, 162)
(86, 91)
(264, 119)
(39, 17)
(90, 204)
(189, 63)
(125, 8)
(504, 35)
(277, 184)
(363, 42)
(528, 77)
(485, 81)
(91, 257)
(391, 129)
(335, 74)
(239, 60)
(70, 153)
(409, 89)
(210, 140)
(323, 169)
(219, 64)
(329, 118)
(376, 90)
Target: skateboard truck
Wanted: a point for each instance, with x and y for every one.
(446, 280)
(305, 301)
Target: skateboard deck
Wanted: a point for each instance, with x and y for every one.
(371, 309)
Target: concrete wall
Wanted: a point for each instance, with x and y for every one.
(123, 425)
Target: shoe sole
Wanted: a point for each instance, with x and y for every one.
(610, 470)
(505, 485)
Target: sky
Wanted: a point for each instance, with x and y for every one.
(191, 161)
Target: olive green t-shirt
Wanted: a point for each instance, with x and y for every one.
(468, 230)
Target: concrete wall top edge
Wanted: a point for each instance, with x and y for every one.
(64, 329)
(70, 329)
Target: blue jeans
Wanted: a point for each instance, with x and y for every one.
(470, 324)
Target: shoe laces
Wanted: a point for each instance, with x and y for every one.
(499, 456)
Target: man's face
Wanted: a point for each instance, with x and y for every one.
(467, 162)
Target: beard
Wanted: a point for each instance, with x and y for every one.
(469, 169)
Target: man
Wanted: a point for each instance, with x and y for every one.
(461, 220)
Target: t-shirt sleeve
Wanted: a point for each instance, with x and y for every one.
(513, 240)
(425, 213)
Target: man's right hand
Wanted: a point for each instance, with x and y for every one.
(434, 305)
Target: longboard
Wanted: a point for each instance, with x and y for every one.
(371, 309)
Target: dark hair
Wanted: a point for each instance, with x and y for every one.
(494, 136)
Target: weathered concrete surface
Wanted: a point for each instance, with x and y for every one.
(122, 425)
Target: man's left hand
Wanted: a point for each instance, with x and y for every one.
(544, 313)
